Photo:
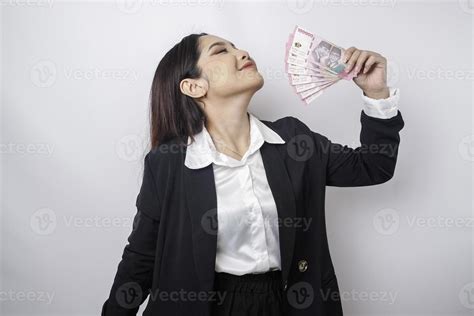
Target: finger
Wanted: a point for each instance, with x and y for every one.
(348, 53)
(364, 55)
(352, 60)
(373, 59)
(368, 64)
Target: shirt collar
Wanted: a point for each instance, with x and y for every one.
(202, 151)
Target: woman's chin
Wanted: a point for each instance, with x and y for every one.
(254, 85)
(260, 83)
(256, 81)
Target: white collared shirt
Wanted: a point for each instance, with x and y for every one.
(247, 236)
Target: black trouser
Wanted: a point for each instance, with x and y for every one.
(249, 294)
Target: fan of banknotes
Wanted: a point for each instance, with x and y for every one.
(313, 64)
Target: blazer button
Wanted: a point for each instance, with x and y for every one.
(285, 285)
(303, 265)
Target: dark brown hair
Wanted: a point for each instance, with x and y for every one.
(174, 115)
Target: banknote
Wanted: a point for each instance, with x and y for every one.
(313, 49)
(307, 79)
(312, 73)
(294, 58)
(313, 64)
(330, 56)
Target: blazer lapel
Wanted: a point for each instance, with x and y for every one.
(202, 206)
(201, 200)
(282, 190)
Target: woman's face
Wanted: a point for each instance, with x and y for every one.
(222, 66)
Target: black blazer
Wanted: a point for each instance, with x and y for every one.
(171, 251)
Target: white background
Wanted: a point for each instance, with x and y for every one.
(75, 84)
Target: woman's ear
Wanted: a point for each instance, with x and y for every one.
(195, 88)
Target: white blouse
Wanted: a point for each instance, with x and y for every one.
(247, 236)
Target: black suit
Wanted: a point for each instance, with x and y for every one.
(172, 247)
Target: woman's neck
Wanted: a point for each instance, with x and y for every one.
(230, 131)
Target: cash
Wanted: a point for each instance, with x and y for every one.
(313, 64)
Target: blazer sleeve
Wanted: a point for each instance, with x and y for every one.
(134, 274)
(373, 162)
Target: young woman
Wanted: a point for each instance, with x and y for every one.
(230, 215)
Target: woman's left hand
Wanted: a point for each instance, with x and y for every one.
(371, 68)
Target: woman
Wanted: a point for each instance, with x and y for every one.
(230, 214)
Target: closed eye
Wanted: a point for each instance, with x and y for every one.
(224, 50)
